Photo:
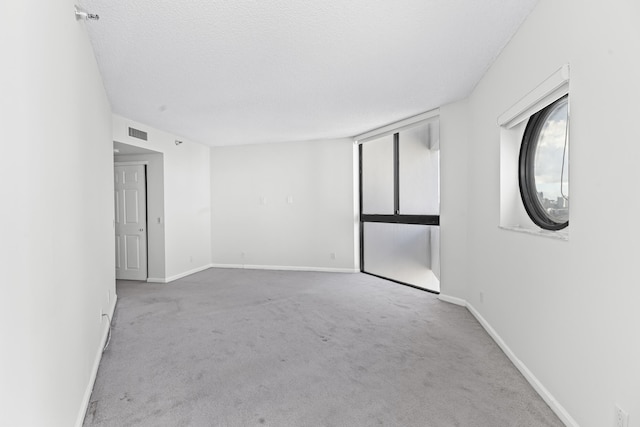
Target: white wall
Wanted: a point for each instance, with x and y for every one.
(187, 196)
(251, 213)
(155, 211)
(56, 187)
(567, 310)
(454, 123)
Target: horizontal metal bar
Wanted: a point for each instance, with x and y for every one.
(402, 219)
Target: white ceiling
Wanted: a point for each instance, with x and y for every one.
(241, 71)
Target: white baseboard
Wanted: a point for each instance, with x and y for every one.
(555, 406)
(452, 300)
(179, 276)
(96, 365)
(287, 268)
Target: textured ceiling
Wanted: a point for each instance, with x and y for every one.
(239, 72)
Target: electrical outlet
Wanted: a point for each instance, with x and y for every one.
(333, 255)
(622, 418)
(481, 296)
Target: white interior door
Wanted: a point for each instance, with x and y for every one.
(131, 222)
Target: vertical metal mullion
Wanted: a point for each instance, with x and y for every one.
(396, 173)
(361, 223)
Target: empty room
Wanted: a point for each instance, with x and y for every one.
(291, 213)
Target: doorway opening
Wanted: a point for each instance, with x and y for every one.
(139, 213)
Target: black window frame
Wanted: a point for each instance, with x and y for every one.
(526, 169)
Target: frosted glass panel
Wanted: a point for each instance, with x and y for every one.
(403, 252)
(420, 170)
(377, 176)
(434, 239)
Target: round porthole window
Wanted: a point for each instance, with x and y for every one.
(544, 166)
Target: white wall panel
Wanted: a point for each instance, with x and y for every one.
(57, 251)
(567, 309)
(284, 205)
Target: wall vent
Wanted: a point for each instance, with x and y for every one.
(136, 133)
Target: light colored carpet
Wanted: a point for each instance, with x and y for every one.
(253, 348)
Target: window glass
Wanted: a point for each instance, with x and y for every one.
(420, 170)
(407, 253)
(551, 165)
(544, 166)
(377, 176)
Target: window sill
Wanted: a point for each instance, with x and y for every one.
(556, 235)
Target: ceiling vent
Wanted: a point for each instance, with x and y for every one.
(136, 133)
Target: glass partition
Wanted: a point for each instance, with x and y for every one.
(400, 206)
(419, 169)
(402, 252)
(377, 176)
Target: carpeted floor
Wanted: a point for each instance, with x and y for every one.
(271, 348)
